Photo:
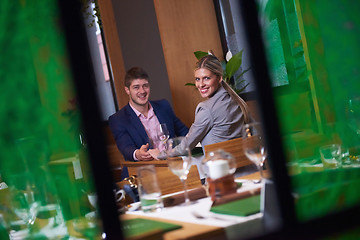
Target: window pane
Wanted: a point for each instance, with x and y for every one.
(314, 46)
(43, 162)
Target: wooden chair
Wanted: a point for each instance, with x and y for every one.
(169, 183)
(115, 158)
(234, 147)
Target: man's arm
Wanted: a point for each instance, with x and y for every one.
(142, 154)
(125, 141)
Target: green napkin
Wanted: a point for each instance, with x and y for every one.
(242, 207)
(197, 151)
(139, 226)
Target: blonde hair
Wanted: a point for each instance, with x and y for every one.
(211, 63)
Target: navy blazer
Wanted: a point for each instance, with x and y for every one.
(130, 134)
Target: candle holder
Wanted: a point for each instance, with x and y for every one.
(219, 166)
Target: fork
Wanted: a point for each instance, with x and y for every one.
(202, 216)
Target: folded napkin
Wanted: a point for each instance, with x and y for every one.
(176, 199)
(242, 207)
(236, 196)
(140, 228)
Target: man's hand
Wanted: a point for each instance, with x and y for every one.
(142, 154)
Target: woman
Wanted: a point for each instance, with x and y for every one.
(219, 117)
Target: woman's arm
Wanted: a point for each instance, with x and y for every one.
(201, 126)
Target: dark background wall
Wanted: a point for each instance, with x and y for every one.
(141, 44)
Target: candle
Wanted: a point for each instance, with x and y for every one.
(218, 168)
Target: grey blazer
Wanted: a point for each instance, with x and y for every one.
(217, 119)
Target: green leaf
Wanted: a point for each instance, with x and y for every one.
(240, 81)
(223, 65)
(234, 64)
(243, 72)
(190, 84)
(238, 91)
(200, 54)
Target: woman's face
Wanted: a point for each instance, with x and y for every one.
(206, 82)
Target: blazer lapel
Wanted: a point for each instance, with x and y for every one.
(136, 125)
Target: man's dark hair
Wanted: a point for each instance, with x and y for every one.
(135, 73)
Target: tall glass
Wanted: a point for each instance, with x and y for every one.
(23, 204)
(149, 189)
(179, 161)
(254, 146)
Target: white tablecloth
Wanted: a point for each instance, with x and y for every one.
(233, 225)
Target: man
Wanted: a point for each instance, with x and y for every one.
(134, 127)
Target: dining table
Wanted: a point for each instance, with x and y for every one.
(196, 220)
(176, 220)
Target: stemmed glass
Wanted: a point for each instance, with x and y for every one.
(179, 161)
(254, 146)
(23, 202)
(163, 133)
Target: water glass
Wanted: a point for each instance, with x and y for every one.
(345, 157)
(149, 190)
(254, 145)
(331, 156)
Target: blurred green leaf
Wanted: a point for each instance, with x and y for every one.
(238, 91)
(234, 64)
(238, 77)
(200, 54)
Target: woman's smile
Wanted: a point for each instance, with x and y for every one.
(206, 82)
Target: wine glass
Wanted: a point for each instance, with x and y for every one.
(23, 203)
(254, 146)
(179, 160)
(163, 133)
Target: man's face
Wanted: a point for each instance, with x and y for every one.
(139, 92)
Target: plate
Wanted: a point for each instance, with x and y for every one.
(134, 206)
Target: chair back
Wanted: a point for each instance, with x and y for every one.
(115, 160)
(234, 147)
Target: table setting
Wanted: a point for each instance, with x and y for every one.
(223, 202)
(203, 211)
(223, 205)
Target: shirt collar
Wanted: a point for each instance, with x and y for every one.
(139, 114)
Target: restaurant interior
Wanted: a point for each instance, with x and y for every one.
(62, 76)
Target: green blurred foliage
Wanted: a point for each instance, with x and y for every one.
(39, 118)
(313, 53)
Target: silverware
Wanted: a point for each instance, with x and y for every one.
(208, 216)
